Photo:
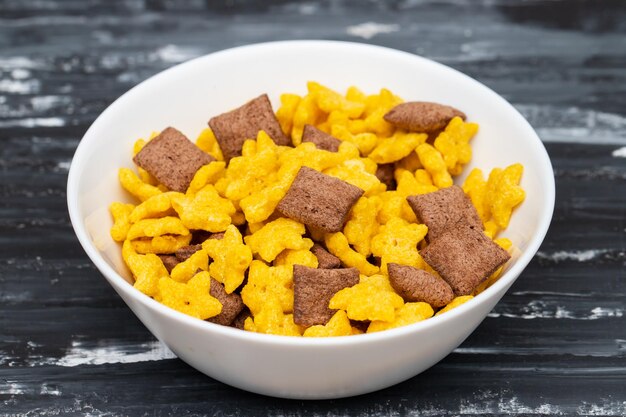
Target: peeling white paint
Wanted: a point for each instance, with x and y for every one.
(33, 122)
(19, 86)
(83, 355)
(370, 29)
(619, 153)
(175, 54)
(578, 256)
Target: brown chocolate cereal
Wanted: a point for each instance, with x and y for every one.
(443, 209)
(422, 116)
(321, 139)
(319, 200)
(415, 285)
(172, 159)
(185, 252)
(233, 128)
(313, 288)
(239, 321)
(464, 257)
(232, 304)
(384, 173)
(169, 261)
(325, 259)
(362, 325)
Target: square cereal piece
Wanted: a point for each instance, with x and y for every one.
(321, 139)
(443, 209)
(319, 200)
(325, 259)
(184, 253)
(169, 261)
(172, 159)
(233, 128)
(422, 116)
(464, 257)
(415, 285)
(312, 290)
(232, 304)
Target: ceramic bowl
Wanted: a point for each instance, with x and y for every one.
(187, 95)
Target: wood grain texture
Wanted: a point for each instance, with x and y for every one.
(555, 344)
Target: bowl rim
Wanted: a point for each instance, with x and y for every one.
(76, 215)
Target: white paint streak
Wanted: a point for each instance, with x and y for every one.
(175, 54)
(582, 125)
(370, 29)
(33, 122)
(619, 153)
(19, 86)
(64, 165)
(48, 390)
(602, 312)
(45, 103)
(12, 388)
(608, 408)
(20, 74)
(146, 352)
(578, 256)
(510, 406)
(540, 309)
(19, 62)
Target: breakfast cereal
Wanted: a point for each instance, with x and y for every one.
(336, 215)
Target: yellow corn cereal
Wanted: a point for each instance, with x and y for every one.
(365, 142)
(372, 299)
(507, 194)
(266, 282)
(204, 210)
(208, 143)
(292, 257)
(185, 270)
(475, 187)
(131, 183)
(161, 244)
(409, 313)
(338, 325)
(276, 236)
(192, 297)
(455, 303)
(147, 269)
(362, 224)
(288, 105)
(354, 171)
(157, 227)
(397, 147)
(307, 113)
(453, 143)
(208, 174)
(337, 244)
(121, 220)
(272, 320)
(397, 242)
(328, 100)
(433, 162)
(231, 258)
(154, 207)
(413, 184)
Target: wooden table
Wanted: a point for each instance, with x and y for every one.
(555, 344)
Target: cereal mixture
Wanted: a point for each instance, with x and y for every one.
(337, 215)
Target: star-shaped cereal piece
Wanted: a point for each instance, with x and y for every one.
(231, 258)
(192, 298)
(372, 298)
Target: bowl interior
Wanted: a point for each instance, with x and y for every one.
(186, 97)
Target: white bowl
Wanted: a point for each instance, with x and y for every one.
(187, 95)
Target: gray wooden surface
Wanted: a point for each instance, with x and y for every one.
(555, 344)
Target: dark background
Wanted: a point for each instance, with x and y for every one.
(555, 344)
